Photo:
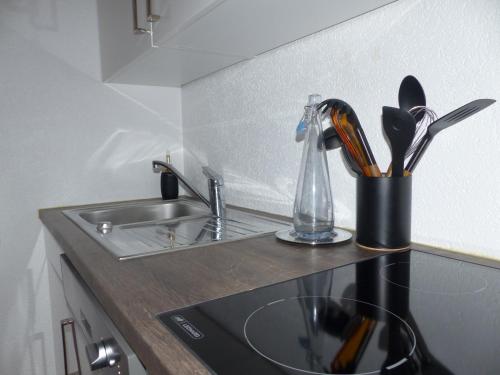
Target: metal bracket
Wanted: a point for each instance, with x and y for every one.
(150, 18)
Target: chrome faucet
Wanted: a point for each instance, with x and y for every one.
(215, 187)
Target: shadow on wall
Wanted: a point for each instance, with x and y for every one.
(245, 164)
(126, 147)
(256, 194)
(259, 192)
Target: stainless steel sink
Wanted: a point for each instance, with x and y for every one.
(142, 213)
(131, 230)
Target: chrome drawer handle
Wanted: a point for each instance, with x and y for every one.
(64, 323)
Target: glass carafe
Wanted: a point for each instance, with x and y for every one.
(313, 208)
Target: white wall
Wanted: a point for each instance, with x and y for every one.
(65, 138)
(241, 120)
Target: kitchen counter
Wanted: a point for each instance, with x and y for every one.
(133, 292)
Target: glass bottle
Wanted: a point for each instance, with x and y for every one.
(313, 207)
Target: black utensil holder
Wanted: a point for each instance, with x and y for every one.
(383, 212)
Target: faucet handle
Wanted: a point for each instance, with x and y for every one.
(211, 174)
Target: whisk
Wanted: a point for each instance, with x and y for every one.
(429, 116)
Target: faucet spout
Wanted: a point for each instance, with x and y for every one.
(215, 191)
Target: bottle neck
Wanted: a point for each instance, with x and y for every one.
(310, 113)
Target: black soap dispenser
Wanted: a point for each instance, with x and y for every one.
(169, 183)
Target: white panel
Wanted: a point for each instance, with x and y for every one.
(248, 28)
(172, 67)
(53, 252)
(176, 15)
(59, 311)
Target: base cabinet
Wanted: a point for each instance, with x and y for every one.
(60, 313)
(85, 339)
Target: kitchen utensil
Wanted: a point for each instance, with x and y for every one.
(333, 141)
(351, 123)
(429, 116)
(444, 122)
(351, 133)
(355, 154)
(399, 126)
(411, 94)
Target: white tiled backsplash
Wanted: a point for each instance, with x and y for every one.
(241, 120)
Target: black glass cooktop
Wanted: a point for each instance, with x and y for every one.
(402, 313)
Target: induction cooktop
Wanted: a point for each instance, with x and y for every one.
(402, 313)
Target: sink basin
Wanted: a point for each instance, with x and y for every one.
(131, 230)
(142, 213)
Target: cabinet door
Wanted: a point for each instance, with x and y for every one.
(60, 312)
(194, 38)
(119, 44)
(248, 28)
(128, 57)
(176, 15)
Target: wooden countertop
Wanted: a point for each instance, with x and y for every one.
(132, 292)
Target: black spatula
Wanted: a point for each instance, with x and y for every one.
(444, 122)
(399, 126)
